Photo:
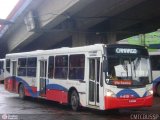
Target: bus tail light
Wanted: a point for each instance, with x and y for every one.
(109, 93)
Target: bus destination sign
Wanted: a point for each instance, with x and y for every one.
(126, 51)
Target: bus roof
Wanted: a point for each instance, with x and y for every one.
(58, 51)
(95, 47)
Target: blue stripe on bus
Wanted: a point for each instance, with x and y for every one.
(130, 92)
(127, 92)
(49, 86)
(56, 87)
(26, 85)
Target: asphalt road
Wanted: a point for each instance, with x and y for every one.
(13, 108)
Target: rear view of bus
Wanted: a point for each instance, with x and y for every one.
(155, 65)
(127, 77)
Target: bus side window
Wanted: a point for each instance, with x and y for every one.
(31, 67)
(155, 62)
(8, 65)
(1, 67)
(51, 67)
(22, 69)
(76, 67)
(61, 67)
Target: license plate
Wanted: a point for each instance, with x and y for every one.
(132, 101)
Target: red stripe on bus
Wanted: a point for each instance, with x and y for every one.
(11, 85)
(113, 103)
(57, 95)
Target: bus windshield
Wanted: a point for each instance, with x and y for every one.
(128, 71)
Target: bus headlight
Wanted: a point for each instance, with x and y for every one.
(149, 92)
(109, 93)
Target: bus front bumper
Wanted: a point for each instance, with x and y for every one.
(115, 103)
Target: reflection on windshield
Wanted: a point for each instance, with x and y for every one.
(136, 70)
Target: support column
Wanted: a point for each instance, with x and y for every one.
(111, 37)
(142, 39)
(78, 39)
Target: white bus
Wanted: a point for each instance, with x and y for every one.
(155, 65)
(97, 76)
(2, 70)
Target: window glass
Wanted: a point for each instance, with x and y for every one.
(1, 64)
(31, 67)
(32, 62)
(31, 72)
(92, 69)
(62, 61)
(51, 67)
(22, 72)
(61, 66)
(134, 69)
(22, 62)
(76, 67)
(22, 66)
(1, 67)
(155, 62)
(8, 65)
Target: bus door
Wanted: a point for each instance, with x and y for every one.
(14, 74)
(43, 75)
(94, 81)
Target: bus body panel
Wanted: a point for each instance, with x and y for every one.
(57, 89)
(114, 103)
(135, 97)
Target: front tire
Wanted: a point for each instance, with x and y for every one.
(21, 92)
(74, 101)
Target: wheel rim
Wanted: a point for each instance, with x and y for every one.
(74, 101)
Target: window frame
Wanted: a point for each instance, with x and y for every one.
(27, 67)
(52, 67)
(78, 68)
(62, 73)
(34, 66)
(8, 66)
(155, 63)
(22, 67)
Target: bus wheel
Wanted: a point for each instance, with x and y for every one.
(158, 90)
(21, 92)
(74, 101)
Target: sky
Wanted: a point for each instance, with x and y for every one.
(6, 6)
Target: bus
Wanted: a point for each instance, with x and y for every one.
(99, 76)
(155, 66)
(2, 70)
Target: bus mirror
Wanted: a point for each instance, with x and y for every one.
(104, 65)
